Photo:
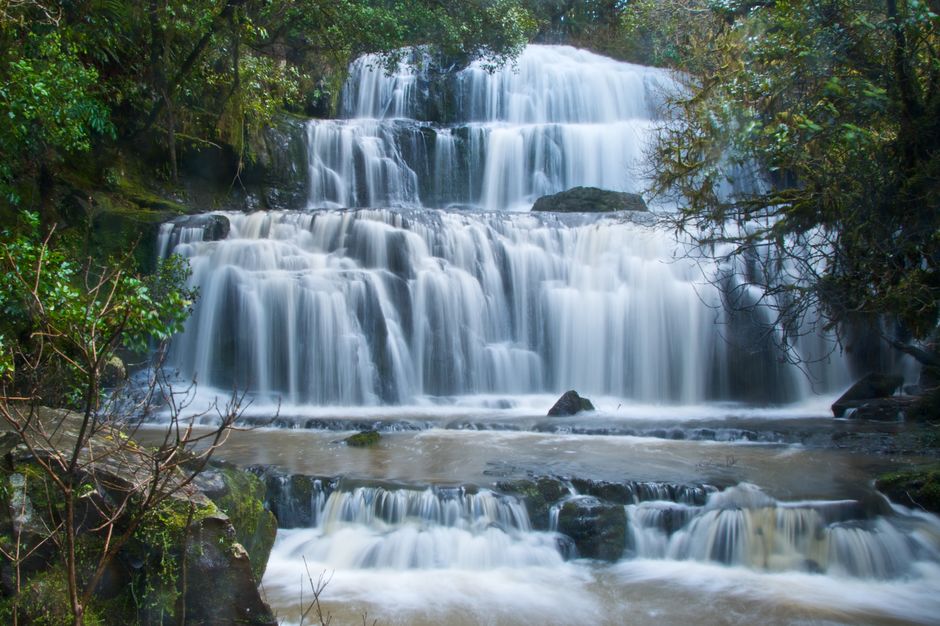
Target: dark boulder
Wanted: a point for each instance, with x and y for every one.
(570, 403)
(597, 528)
(870, 387)
(220, 586)
(881, 409)
(214, 227)
(295, 499)
(590, 200)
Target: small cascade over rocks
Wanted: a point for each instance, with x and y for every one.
(371, 525)
(745, 527)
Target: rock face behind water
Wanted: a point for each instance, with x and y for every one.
(870, 387)
(590, 200)
(569, 404)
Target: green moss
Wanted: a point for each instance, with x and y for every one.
(363, 439)
(243, 502)
(917, 487)
(538, 495)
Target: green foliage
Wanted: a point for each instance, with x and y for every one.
(66, 320)
(47, 103)
(837, 101)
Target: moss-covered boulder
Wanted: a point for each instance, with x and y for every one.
(363, 439)
(220, 588)
(916, 487)
(538, 495)
(182, 563)
(598, 528)
(241, 496)
(590, 200)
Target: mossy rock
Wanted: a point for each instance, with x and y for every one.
(363, 439)
(590, 200)
(917, 487)
(597, 528)
(538, 495)
(241, 495)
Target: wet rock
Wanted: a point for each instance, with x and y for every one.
(221, 588)
(294, 499)
(597, 528)
(632, 492)
(241, 496)
(870, 387)
(918, 488)
(881, 409)
(538, 495)
(214, 227)
(114, 372)
(570, 403)
(363, 439)
(590, 200)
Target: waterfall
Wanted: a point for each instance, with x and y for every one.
(557, 118)
(387, 306)
(378, 528)
(399, 302)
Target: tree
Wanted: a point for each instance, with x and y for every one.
(62, 326)
(805, 155)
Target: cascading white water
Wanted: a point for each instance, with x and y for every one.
(743, 526)
(376, 528)
(557, 118)
(392, 305)
(382, 306)
(448, 546)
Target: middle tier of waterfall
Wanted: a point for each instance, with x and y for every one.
(386, 306)
(557, 118)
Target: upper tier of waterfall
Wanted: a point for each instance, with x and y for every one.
(415, 137)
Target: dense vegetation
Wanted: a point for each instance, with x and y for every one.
(156, 77)
(837, 103)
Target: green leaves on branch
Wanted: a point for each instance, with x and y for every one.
(837, 102)
(74, 318)
(47, 103)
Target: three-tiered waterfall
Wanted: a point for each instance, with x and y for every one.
(417, 295)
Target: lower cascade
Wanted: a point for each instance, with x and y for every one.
(403, 528)
(442, 534)
(360, 307)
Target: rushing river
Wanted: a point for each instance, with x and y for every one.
(416, 296)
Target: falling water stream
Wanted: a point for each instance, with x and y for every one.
(417, 295)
